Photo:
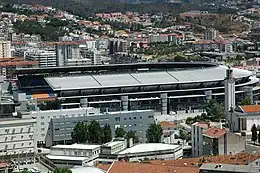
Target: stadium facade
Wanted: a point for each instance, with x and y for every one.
(162, 87)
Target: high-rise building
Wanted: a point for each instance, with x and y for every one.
(118, 46)
(210, 34)
(5, 49)
(66, 51)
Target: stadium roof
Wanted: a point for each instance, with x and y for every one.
(112, 67)
(215, 73)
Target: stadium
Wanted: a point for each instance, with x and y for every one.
(163, 87)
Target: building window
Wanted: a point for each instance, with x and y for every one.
(130, 118)
(141, 117)
(42, 129)
(150, 116)
(134, 117)
(117, 118)
(42, 123)
(30, 143)
(124, 118)
(42, 117)
(21, 137)
(134, 124)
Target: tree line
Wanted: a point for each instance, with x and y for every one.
(93, 133)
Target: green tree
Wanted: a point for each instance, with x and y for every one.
(62, 170)
(214, 110)
(95, 132)
(254, 133)
(120, 132)
(154, 133)
(106, 134)
(183, 135)
(246, 101)
(25, 170)
(80, 133)
(131, 134)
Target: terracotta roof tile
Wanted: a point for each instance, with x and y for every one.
(104, 167)
(126, 167)
(251, 108)
(188, 165)
(165, 124)
(215, 132)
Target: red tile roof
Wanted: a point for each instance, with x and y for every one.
(165, 124)
(250, 108)
(188, 165)
(215, 132)
(126, 167)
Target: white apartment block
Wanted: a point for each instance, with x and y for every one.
(17, 139)
(44, 57)
(44, 117)
(5, 49)
(75, 154)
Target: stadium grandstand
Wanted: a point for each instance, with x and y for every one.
(163, 87)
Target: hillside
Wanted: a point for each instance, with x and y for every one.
(90, 7)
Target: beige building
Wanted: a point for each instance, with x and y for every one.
(17, 139)
(5, 49)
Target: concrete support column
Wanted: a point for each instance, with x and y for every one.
(164, 102)
(84, 102)
(124, 103)
(208, 94)
(249, 93)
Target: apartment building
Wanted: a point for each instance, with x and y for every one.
(5, 49)
(44, 57)
(66, 51)
(17, 139)
(44, 118)
(138, 121)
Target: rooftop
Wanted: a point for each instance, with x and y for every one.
(250, 108)
(76, 146)
(214, 132)
(53, 157)
(142, 78)
(112, 143)
(86, 169)
(149, 147)
(229, 168)
(126, 167)
(165, 124)
(204, 125)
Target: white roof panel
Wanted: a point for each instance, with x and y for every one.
(116, 79)
(144, 78)
(140, 148)
(54, 157)
(76, 146)
(72, 82)
(86, 170)
(154, 77)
